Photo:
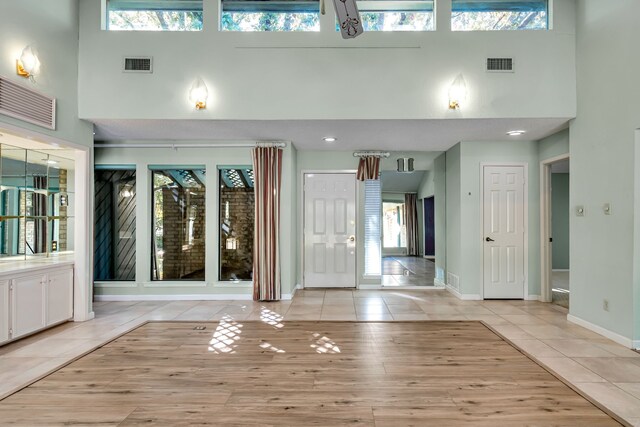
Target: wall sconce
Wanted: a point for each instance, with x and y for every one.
(232, 243)
(457, 92)
(126, 191)
(199, 94)
(28, 64)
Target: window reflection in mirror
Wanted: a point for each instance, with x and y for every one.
(36, 202)
(237, 201)
(178, 224)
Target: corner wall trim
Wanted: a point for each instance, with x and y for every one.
(439, 283)
(464, 297)
(622, 340)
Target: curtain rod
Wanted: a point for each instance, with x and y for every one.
(384, 154)
(175, 146)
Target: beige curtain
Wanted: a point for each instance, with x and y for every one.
(267, 172)
(368, 168)
(411, 222)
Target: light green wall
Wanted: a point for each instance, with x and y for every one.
(560, 220)
(604, 167)
(554, 145)
(51, 28)
(440, 198)
(399, 76)
(453, 213)
(211, 158)
(472, 155)
(427, 185)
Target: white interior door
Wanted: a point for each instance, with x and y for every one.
(330, 230)
(504, 231)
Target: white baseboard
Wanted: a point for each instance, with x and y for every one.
(622, 340)
(464, 297)
(369, 287)
(533, 298)
(560, 269)
(439, 283)
(193, 297)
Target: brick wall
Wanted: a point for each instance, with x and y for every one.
(183, 259)
(237, 264)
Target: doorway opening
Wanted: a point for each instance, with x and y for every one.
(556, 271)
(403, 231)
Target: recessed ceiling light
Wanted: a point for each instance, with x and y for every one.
(330, 139)
(516, 132)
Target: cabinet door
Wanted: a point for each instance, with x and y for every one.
(27, 304)
(4, 311)
(60, 296)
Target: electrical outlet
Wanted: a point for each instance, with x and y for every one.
(605, 305)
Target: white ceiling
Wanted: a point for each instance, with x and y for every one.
(395, 135)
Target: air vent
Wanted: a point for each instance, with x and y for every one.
(26, 104)
(500, 65)
(138, 64)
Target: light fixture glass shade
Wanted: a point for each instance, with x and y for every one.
(457, 92)
(28, 64)
(199, 94)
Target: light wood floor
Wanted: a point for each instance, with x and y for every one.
(303, 373)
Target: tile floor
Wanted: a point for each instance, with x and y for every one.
(560, 287)
(407, 271)
(598, 367)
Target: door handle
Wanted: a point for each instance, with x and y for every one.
(352, 238)
(489, 239)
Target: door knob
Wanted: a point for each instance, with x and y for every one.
(352, 238)
(489, 239)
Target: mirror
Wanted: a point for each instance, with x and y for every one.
(36, 203)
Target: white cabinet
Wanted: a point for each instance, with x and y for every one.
(27, 304)
(4, 310)
(59, 296)
(32, 301)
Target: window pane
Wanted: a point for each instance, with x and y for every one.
(115, 225)
(396, 15)
(394, 230)
(498, 15)
(270, 15)
(178, 224)
(154, 15)
(237, 201)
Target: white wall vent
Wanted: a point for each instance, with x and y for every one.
(500, 65)
(26, 104)
(137, 64)
(453, 281)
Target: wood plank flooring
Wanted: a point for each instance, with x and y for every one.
(303, 373)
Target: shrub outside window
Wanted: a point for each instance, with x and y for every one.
(270, 15)
(154, 15)
(499, 15)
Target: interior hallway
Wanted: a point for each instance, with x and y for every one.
(407, 271)
(598, 367)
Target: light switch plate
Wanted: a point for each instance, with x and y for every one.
(579, 210)
(607, 208)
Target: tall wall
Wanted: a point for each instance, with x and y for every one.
(302, 75)
(51, 28)
(604, 168)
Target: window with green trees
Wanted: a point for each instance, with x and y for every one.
(397, 15)
(499, 15)
(154, 15)
(270, 15)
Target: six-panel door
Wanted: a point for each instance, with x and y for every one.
(503, 214)
(330, 230)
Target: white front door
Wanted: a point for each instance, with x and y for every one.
(330, 230)
(504, 232)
